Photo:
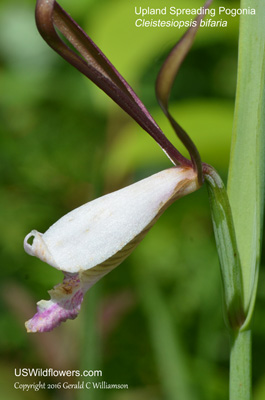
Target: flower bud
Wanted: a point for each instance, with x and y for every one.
(91, 240)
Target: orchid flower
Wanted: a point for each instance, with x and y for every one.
(91, 240)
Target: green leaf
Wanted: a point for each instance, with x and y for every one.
(246, 174)
(227, 249)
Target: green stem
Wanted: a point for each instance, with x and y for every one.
(240, 366)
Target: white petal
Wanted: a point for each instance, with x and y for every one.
(96, 231)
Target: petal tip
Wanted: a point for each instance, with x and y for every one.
(29, 248)
(39, 248)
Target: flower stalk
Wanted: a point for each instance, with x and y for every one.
(240, 376)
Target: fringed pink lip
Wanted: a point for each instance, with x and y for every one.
(65, 303)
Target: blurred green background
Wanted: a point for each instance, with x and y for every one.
(155, 323)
